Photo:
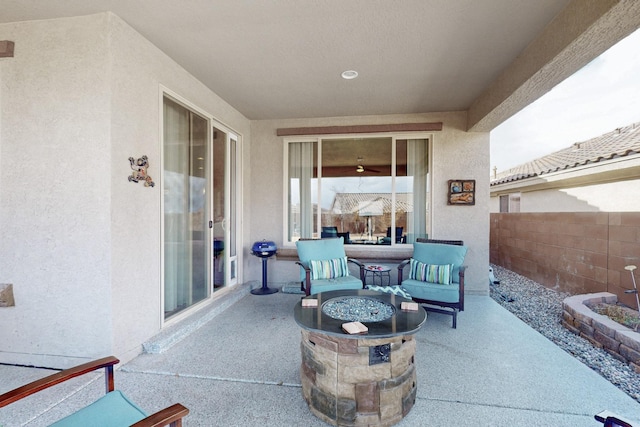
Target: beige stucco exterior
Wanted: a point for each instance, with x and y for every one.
(82, 245)
(606, 186)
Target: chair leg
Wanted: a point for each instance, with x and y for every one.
(455, 318)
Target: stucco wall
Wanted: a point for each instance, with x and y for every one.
(55, 191)
(457, 154)
(80, 243)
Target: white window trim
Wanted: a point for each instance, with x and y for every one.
(429, 136)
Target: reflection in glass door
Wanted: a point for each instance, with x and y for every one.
(187, 252)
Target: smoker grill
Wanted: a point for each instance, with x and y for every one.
(264, 250)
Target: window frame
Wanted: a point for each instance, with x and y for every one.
(318, 139)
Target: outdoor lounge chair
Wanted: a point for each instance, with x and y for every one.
(324, 266)
(113, 409)
(431, 282)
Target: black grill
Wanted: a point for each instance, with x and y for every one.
(264, 250)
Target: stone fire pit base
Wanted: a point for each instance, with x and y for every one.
(342, 388)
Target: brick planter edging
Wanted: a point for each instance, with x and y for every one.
(616, 339)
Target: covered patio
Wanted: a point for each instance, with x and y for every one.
(242, 369)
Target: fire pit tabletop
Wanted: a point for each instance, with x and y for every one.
(401, 322)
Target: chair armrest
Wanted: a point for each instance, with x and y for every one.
(62, 376)
(400, 267)
(361, 266)
(305, 267)
(356, 262)
(307, 278)
(461, 287)
(168, 416)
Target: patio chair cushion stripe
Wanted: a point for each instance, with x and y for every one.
(329, 268)
(432, 273)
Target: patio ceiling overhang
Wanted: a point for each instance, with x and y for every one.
(282, 60)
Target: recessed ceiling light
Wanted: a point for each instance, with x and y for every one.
(349, 74)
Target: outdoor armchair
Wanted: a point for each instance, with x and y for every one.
(436, 276)
(113, 409)
(324, 266)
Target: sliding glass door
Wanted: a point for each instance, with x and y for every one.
(187, 252)
(201, 197)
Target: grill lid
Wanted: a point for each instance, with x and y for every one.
(264, 248)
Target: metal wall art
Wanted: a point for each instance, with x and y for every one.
(462, 192)
(140, 171)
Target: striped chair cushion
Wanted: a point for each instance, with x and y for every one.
(329, 268)
(432, 273)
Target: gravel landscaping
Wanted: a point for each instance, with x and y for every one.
(541, 308)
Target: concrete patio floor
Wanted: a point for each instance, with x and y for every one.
(241, 368)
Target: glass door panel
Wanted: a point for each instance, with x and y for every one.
(231, 188)
(219, 222)
(224, 209)
(186, 208)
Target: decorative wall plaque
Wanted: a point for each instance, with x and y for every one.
(139, 173)
(462, 192)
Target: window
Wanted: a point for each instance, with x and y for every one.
(510, 202)
(369, 190)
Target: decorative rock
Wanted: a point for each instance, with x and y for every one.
(542, 309)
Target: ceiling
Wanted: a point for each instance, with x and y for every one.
(283, 58)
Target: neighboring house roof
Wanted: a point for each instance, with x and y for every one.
(347, 203)
(619, 143)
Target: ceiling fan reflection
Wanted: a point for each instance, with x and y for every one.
(360, 167)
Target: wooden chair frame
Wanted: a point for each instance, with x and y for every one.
(171, 415)
(450, 308)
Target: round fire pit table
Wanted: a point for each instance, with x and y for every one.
(362, 379)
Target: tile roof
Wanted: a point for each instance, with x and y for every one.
(353, 202)
(619, 143)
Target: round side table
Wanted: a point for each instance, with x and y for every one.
(382, 272)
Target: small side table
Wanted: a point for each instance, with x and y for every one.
(379, 271)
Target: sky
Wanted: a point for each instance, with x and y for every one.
(602, 96)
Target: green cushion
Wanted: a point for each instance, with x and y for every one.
(111, 410)
(432, 291)
(329, 268)
(319, 249)
(337, 284)
(439, 254)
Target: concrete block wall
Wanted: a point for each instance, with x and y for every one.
(576, 252)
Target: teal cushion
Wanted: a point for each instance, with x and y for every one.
(430, 272)
(337, 284)
(395, 290)
(439, 254)
(319, 249)
(329, 268)
(111, 410)
(432, 291)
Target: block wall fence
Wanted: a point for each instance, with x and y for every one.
(578, 252)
